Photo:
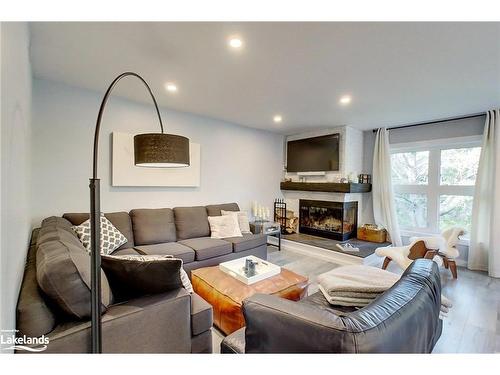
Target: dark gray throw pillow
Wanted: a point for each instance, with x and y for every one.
(132, 276)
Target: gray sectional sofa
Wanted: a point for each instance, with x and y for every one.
(55, 297)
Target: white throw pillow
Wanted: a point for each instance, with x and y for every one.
(111, 238)
(224, 226)
(242, 220)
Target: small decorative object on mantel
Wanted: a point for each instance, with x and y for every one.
(372, 233)
(365, 178)
(352, 177)
(344, 180)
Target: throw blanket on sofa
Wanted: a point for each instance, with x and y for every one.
(360, 285)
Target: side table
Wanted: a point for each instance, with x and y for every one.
(269, 228)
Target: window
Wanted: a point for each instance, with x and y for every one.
(434, 183)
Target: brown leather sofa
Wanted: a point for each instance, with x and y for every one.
(173, 322)
(405, 319)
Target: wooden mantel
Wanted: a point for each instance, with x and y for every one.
(329, 187)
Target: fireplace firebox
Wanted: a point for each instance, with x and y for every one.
(335, 220)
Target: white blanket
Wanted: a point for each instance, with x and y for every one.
(360, 285)
(357, 281)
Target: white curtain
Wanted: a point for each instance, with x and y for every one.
(484, 247)
(384, 210)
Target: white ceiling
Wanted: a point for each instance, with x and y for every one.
(396, 73)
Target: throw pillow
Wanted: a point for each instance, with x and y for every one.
(111, 238)
(224, 226)
(242, 220)
(133, 276)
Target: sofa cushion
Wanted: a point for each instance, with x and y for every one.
(54, 228)
(63, 273)
(152, 226)
(215, 209)
(130, 251)
(206, 248)
(34, 317)
(170, 248)
(191, 222)
(121, 220)
(247, 242)
(201, 315)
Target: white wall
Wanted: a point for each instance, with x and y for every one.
(16, 160)
(237, 163)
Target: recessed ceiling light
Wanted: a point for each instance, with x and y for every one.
(277, 119)
(344, 100)
(171, 87)
(235, 43)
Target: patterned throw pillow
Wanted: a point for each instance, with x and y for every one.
(111, 238)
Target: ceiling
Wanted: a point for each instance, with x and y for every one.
(396, 73)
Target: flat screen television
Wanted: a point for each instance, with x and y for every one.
(317, 154)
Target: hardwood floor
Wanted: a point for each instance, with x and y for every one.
(472, 325)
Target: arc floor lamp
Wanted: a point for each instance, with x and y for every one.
(158, 150)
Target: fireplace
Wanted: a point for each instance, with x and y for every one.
(335, 220)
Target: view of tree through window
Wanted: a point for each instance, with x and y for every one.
(410, 167)
(411, 210)
(459, 166)
(455, 211)
(432, 200)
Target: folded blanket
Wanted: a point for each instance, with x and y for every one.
(359, 286)
(346, 280)
(345, 301)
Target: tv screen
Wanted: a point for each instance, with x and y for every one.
(316, 154)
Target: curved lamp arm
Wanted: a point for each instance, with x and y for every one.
(101, 111)
(95, 220)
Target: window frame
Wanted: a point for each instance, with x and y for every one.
(434, 189)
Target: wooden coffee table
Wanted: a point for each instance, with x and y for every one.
(226, 294)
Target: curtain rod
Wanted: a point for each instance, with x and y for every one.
(435, 121)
